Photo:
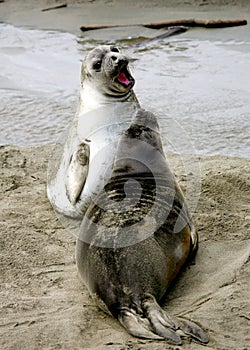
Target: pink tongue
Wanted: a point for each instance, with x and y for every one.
(123, 79)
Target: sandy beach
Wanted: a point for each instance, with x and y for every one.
(43, 303)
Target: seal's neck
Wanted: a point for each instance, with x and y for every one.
(91, 98)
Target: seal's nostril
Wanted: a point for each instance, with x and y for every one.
(122, 62)
(114, 58)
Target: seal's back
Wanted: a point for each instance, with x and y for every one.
(137, 235)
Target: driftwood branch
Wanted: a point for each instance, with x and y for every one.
(198, 23)
(55, 7)
(182, 22)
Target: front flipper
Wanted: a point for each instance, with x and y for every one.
(77, 172)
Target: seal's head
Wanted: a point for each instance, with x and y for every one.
(107, 69)
(140, 147)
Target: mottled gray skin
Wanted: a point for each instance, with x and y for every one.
(128, 255)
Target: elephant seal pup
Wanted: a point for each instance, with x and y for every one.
(106, 105)
(136, 236)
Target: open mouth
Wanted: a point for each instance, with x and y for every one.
(124, 77)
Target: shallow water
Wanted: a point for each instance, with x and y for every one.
(199, 88)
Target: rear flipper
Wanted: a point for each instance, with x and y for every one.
(156, 324)
(77, 172)
(137, 325)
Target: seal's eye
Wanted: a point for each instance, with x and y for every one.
(114, 49)
(97, 65)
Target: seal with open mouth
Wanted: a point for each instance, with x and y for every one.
(137, 235)
(107, 102)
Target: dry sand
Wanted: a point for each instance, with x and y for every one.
(43, 303)
(45, 306)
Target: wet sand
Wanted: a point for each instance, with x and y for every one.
(43, 303)
(29, 13)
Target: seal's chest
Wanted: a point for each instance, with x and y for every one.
(102, 129)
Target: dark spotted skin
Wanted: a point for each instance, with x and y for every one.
(123, 275)
(136, 236)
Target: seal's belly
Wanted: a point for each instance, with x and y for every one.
(101, 129)
(103, 145)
